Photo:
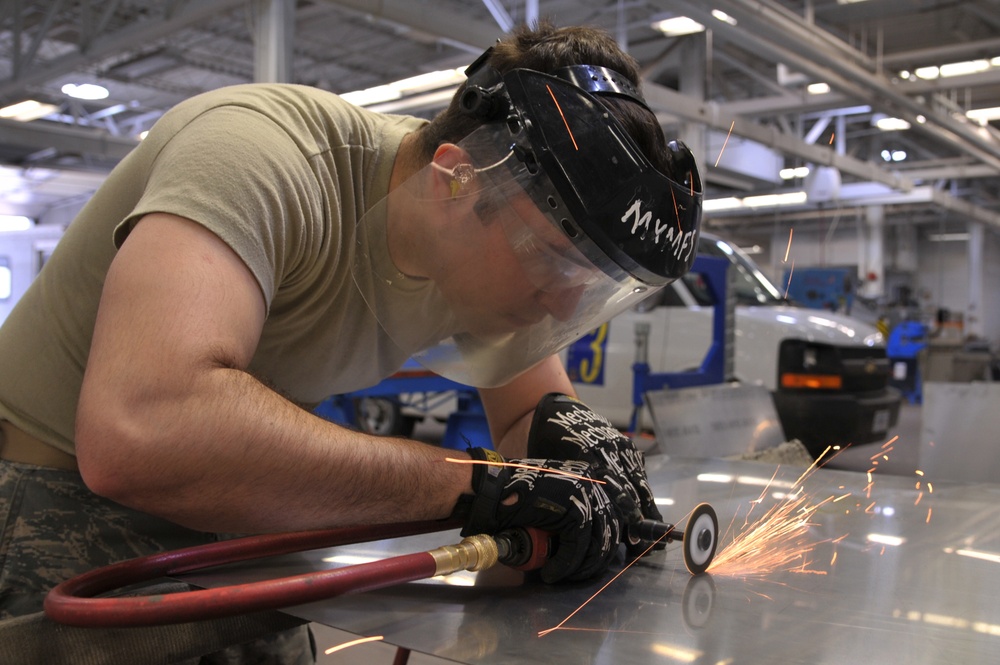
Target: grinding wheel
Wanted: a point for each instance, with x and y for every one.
(700, 539)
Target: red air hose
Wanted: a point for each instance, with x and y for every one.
(72, 601)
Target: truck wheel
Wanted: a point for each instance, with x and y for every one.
(382, 416)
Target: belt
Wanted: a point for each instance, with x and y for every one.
(19, 446)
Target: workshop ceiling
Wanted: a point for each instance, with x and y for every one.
(744, 81)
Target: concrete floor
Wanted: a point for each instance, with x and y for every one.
(902, 461)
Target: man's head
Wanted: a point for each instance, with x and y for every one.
(553, 200)
(546, 49)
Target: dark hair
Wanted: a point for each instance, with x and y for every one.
(545, 49)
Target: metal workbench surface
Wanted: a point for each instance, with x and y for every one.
(894, 571)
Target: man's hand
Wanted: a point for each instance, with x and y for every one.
(587, 525)
(565, 428)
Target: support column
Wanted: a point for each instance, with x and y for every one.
(274, 31)
(973, 310)
(872, 259)
(693, 83)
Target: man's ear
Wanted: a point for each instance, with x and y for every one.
(454, 174)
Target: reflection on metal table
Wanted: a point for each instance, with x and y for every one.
(897, 572)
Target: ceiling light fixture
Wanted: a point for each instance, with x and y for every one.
(887, 124)
(678, 26)
(761, 201)
(87, 91)
(791, 174)
(407, 86)
(983, 116)
(14, 223)
(776, 200)
(27, 110)
(818, 88)
(723, 16)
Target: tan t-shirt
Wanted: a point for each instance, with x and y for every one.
(282, 174)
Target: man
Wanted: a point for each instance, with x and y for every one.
(267, 246)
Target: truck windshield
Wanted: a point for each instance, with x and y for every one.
(752, 286)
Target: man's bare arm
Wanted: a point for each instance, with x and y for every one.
(510, 408)
(170, 423)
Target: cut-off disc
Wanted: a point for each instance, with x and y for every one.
(700, 539)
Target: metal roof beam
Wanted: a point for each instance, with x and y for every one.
(135, 35)
(30, 135)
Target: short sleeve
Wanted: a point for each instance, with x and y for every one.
(239, 174)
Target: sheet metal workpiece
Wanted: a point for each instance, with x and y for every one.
(901, 589)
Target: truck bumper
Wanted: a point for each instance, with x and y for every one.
(819, 420)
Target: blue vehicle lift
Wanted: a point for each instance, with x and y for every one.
(466, 426)
(717, 365)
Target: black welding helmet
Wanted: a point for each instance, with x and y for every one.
(565, 224)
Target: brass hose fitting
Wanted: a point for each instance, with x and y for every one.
(477, 552)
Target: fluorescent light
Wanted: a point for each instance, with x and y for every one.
(723, 16)
(678, 26)
(89, 91)
(964, 68)
(14, 223)
(887, 124)
(407, 86)
(727, 203)
(27, 110)
(947, 237)
(764, 200)
(983, 116)
(6, 281)
(818, 88)
(791, 174)
(992, 557)
(893, 155)
(786, 199)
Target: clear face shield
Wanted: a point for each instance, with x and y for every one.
(543, 225)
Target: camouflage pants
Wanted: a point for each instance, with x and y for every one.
(54, 528)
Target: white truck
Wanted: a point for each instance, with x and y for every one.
(828, 373)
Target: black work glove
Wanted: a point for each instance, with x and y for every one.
(587, 526)
(565, 428)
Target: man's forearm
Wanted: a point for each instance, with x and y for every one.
(232, 455)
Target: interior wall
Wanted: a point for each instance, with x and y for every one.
(943, 280)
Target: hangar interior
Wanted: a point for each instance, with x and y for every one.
(859, 138)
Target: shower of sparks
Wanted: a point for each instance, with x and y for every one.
(832, 135)
(779, 540)
(788, 248)
(724, 143)
(530, 467)
(352, 643)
